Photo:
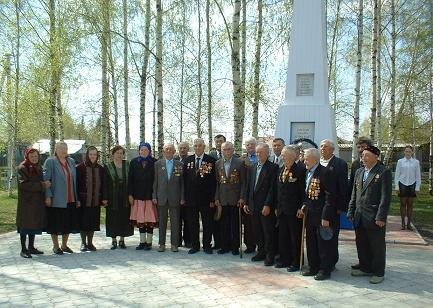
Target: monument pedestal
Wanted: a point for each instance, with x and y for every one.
(315, 122)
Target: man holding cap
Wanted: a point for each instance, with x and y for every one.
(368, 209)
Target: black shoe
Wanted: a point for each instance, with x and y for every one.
(25, 254)
(122, 244)
(258, 257)
(356, 266)
(269, 262)
(91, 247)
(321, 275)
(113, 245)
(67, 249)
(292, 269)
(141, 246)
(35, 251)
(147, 246)
(216, 247)
(83, 248)
(188, 245)
(235, 252)
(208, 251)
(309, 273)
(250, 250)
(57, 251)
(222, 251)
(193, 251)
(281, 265)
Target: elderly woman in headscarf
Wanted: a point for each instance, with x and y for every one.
(89, 188)
(61, 198)
(144, 213)
(31, 214)
(115, 199)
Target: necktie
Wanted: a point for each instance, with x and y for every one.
(197, 163)
(259, 168)
(219, 155)
(276, 160)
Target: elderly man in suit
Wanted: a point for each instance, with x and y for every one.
(168, 195)
(368, 209)
(321, 207)
(337, 169)
(230, 194)
(290, 195)
(183, 149)
(277, 147)
(261, 198)
(200, 182)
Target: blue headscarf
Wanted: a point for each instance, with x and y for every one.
(148, 158)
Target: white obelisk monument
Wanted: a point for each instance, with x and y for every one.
(306, 112)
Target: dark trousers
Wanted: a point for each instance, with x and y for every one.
(249, 238)
(264, 232)
(183, 227)
(289, 237)
(337, 234)
(216, 230)
(371, 247)
(320, 253)
(194, 225)
(230, 228)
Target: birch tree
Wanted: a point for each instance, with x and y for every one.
(238, 117)
(360, 24)
(257, 61)
(143, 76)
(53, 76)
(374, 71)
(209, 74)
(126, 74)
(379, 75)
(158, 77)
(105, 114)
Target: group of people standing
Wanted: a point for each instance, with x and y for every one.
(272, 196)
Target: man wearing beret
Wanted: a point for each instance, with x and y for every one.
(368, 210)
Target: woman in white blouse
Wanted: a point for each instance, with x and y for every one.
(407, 183)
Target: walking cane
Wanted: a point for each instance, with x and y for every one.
(301, 259)
(240, 232)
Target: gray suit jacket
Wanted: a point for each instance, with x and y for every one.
(371, 200)
(168, 190)
(231, 187)
(54, 173)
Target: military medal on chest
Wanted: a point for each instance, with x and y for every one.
(314, 189)
(234, 177)
(222, 177)
(205, 168)
(177, 171)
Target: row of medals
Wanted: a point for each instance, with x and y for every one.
(314, 189)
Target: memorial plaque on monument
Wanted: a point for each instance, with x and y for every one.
(304, 84)
(300, 130)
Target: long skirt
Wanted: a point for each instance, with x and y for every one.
(144, 214)
(89, 218)
(62, 220)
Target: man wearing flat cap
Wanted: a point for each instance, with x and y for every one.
(368, 209)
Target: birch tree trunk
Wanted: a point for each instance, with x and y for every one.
(10, 120)
(374, 73)
(60, 110)
(358, 79)
(112, 71)
(158, 76)
(430, 173)
(53, 68)
(182, 74)
(243, 30)
(256, 100)
(200, 89)
(143, 77)
(238, 117)
(126, 75)
(209, 75)
(334, 43)
(393, 80)
(105, 114)
(379, 75)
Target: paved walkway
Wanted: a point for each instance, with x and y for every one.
(151, 279)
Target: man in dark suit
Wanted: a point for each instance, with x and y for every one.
(290, 186)
(199, 183)
(230, 194)
(250, 160)
(361, 145)
(337, 170)
(368, 209)
(321, 207)
(217, 153)
(261, 199)
(184, 236)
